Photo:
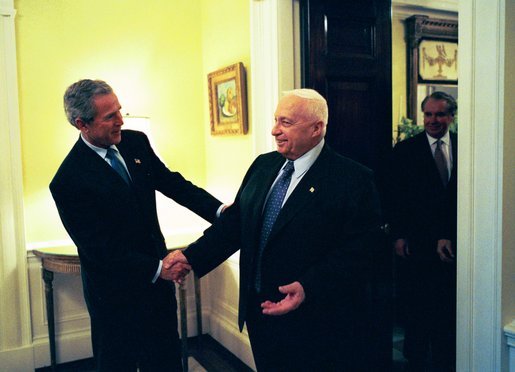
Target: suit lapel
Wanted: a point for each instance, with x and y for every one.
(132, 153)
(265, 177)
(306, 190)
(95, 169)
(132, 161)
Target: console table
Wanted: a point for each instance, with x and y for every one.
(65, 260)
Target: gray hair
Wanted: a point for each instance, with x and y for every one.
(78, 99)
(319, 107)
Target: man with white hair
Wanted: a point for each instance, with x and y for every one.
(303, 219)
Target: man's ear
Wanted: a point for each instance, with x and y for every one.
(318, 128)
(80, 124)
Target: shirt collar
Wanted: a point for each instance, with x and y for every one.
(305, 162)
(99, 150)
(446, 138)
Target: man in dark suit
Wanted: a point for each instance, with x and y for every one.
(302, 278)
(105, 193)
(424, 232)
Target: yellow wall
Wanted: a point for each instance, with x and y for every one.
(150, 52)
(226, 40)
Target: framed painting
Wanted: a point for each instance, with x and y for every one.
(228, 100)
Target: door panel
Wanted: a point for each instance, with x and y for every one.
(347, 58)
(346, 49)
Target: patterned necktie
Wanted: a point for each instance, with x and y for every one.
(117, 165)
(272, 208)
(441, 163)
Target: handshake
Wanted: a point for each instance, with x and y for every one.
(175, 267)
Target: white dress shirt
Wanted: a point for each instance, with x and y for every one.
(301, 166)
(446, 147)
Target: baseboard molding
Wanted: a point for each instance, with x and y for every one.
(227, 333)
(69, 347)
(17, 360)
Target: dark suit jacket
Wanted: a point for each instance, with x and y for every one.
(320, 237)
(114, 226)
(423, 210)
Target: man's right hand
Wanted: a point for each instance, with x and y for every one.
(175, 267)
(401, 248)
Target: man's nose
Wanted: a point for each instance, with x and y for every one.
(275, 129)
(119, 118)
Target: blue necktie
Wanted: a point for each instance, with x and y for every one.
(272, 208)
(117, 165)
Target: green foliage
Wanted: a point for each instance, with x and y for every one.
(453, 128)
(406, 129)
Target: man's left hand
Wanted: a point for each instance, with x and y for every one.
(294, 298)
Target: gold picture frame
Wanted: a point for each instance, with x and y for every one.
(228, 100)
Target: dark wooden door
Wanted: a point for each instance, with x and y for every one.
(347, 58)
(346, 52)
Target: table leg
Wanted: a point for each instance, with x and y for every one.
(199, 310)
(184, 326)
(48, 277)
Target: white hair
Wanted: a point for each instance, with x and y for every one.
(319, 109)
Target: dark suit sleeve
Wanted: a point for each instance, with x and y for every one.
(221, 239)
(175, 186)
(218, 243)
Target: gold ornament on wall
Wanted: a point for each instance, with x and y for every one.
(438, 61)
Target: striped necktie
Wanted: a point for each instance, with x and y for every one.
(441, 163)
(117, 165)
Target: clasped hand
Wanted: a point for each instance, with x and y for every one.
(175, 267)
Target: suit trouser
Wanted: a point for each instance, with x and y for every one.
(430, 306)
(140, 333)
(279, 343)
(302, 340)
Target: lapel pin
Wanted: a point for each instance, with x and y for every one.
(312, 189)
(137, 161)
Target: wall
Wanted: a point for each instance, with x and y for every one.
(151, 56)
(14, 305)
(226, 41)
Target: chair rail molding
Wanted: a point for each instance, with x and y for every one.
(16, 337)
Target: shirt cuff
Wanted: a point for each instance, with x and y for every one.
(158, 272)
(219, 210)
